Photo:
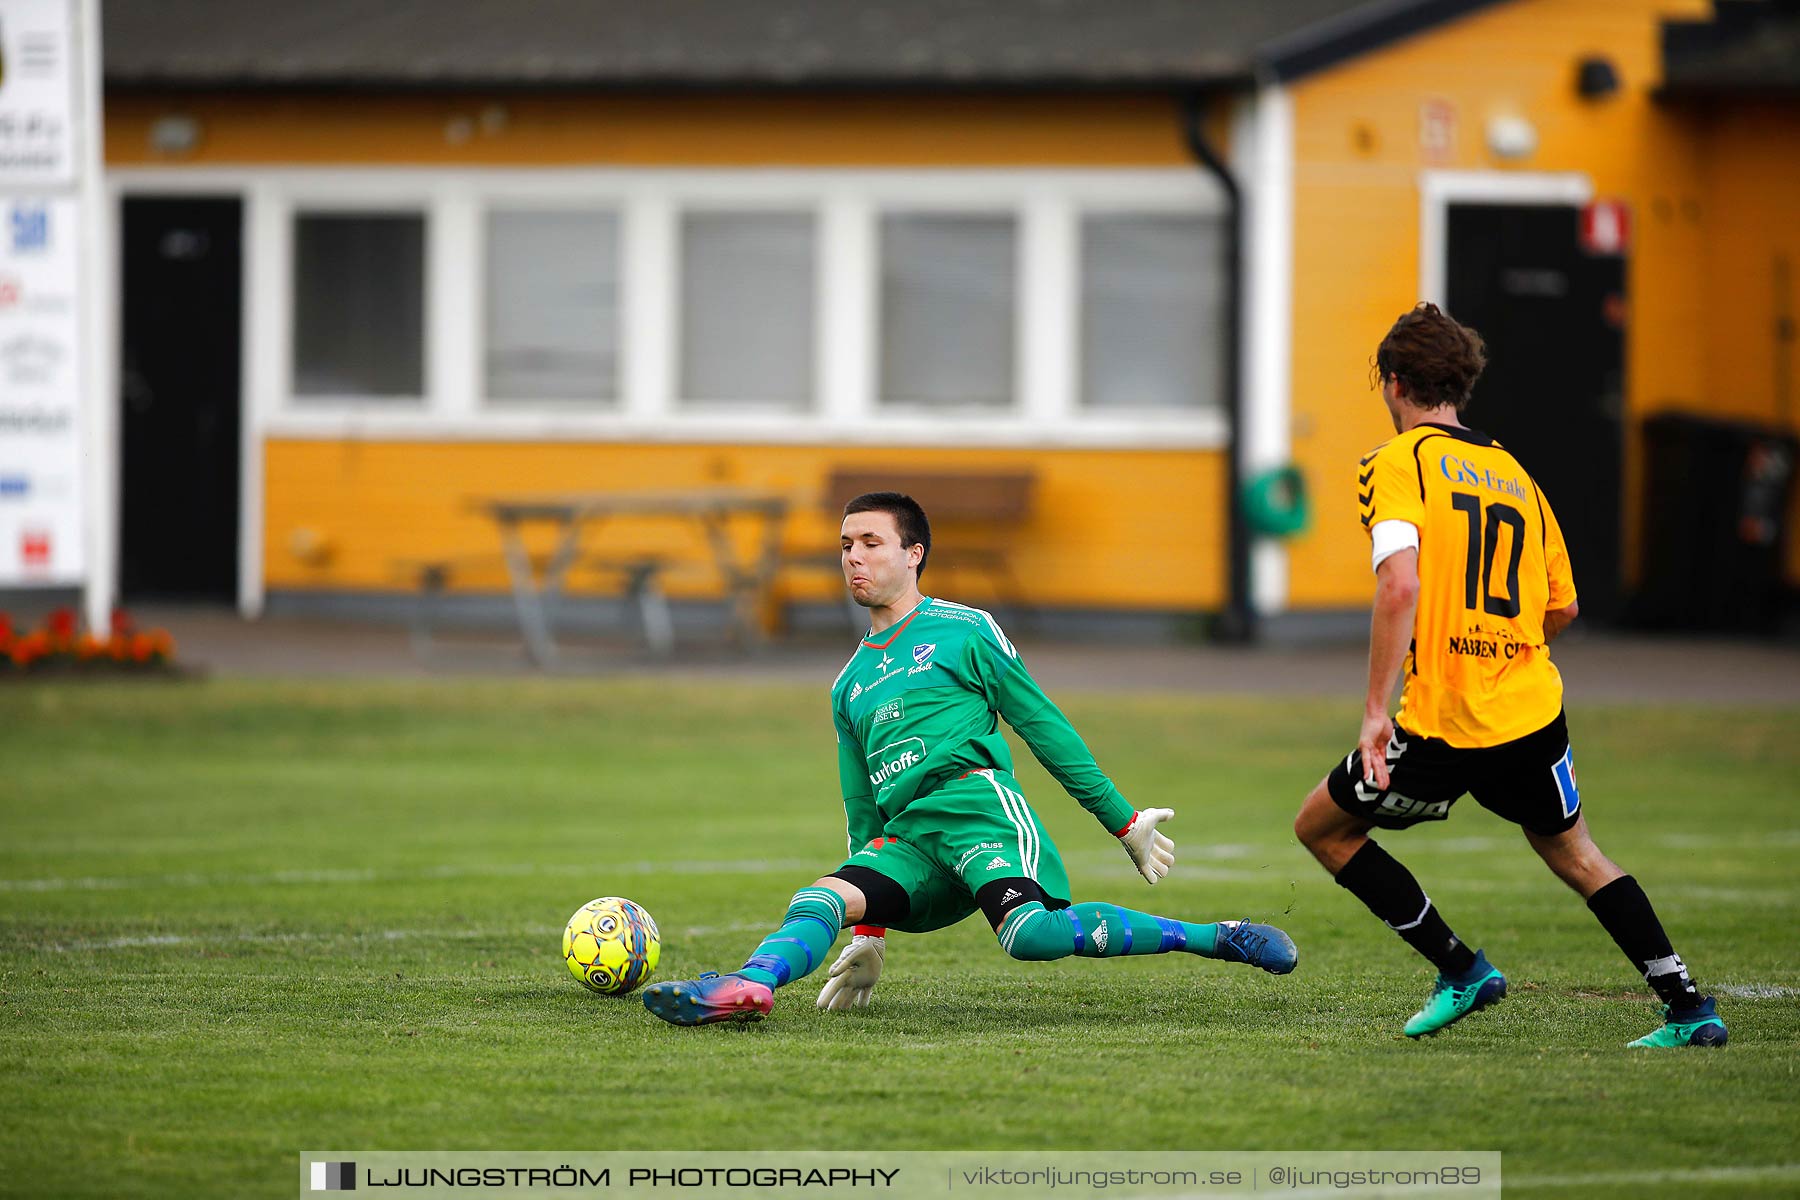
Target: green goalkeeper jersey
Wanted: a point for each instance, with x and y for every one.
(918, 704)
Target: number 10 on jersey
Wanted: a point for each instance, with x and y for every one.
(1484, 541)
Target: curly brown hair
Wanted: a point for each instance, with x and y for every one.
(1437, 359)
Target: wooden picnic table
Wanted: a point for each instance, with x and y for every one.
(576, 515)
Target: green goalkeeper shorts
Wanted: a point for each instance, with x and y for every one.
(948, 844)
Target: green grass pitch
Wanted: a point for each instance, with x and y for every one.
(239, 920)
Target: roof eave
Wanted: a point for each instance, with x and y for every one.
(1224, 83)
(1357, 32)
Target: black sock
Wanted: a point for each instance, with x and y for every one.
(1625, 912)
(1377, 879)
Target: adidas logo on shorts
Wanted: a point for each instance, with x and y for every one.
(1011, 895)
(997, 863)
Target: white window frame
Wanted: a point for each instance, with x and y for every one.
(1048, 205)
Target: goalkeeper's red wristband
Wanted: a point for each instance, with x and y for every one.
(869, 931)
(1121, 833)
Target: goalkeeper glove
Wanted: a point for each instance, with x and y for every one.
(1152, 853)
(854, 973)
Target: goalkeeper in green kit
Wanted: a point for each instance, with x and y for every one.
(938, 826)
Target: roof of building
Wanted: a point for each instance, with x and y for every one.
(1750, 47)
(764, 44)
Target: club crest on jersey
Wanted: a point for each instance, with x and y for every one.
(922, 658)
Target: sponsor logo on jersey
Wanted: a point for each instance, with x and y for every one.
(1397, 805)
(893, 710)
(962, 863)
(894, 758)
(1461, 470)
(998, 861)
(855, 691)
(889, 670)
(1100, 936)
(1471, 647)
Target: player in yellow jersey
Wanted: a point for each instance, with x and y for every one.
(1473, 582)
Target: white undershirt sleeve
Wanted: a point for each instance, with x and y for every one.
(1391, 537)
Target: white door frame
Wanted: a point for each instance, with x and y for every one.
(1438, 190)
(121, 185)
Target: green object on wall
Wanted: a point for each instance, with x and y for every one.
(1275, 502)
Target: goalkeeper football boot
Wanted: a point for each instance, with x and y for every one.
(1453, 999)
(1258, 945)
(1690, 1027)
(712, 997)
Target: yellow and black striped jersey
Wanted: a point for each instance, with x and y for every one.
(1491, 562)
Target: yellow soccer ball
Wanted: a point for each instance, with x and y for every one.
(611, 945)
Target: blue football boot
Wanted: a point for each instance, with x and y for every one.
(1258, 945)
(712, 997)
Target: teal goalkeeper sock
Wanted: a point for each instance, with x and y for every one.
(1099, 930)
(813, 919)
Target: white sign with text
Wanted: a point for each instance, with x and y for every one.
(37, 93)
(41, 541)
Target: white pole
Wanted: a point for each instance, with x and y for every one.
(98, 377)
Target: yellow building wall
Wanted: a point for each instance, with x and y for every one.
(848, 130)
(1356, 226)
(1711, 199)
(1751, 285)
(1116, 529)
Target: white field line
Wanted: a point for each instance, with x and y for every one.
(1757, 991)
(544, 932)
(1773, 1172)
(1213, 851)
(739, 866)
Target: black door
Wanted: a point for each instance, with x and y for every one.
(178, 527)
(1553, 392)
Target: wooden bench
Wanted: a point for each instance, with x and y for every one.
(640, 580)
(974, 517)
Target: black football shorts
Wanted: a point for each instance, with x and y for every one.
(1529, 781)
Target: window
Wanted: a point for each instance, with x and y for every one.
(924, 307)
(947, 310)
(552, 307)
(747, 308)
(359, 304)
(1152, 312)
